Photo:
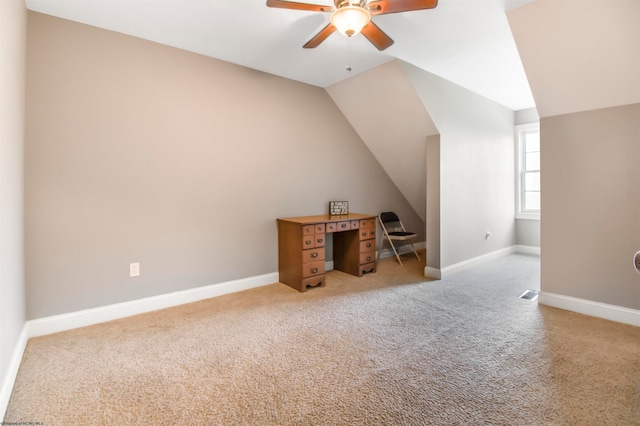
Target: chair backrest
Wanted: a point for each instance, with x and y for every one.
(390, 222)
(388, 217)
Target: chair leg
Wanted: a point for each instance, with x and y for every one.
(414, 251)
(396, 252)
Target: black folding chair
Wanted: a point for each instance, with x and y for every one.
(394, 230)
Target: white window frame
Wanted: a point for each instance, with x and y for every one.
(520, 130)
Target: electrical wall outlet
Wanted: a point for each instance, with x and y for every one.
(134, 269)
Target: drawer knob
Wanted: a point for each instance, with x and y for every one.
(368, 258)
(368, 244)
(344, 225)
(307, 242)
(314, 254)
(314, 270)
(320, 240)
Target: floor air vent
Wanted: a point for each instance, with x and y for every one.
(529, 295)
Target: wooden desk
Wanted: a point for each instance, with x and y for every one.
(301, 247)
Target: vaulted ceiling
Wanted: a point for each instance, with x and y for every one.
(468, 42)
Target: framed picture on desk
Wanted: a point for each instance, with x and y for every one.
(338, 208)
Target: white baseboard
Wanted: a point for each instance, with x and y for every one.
(589, 307)
(63, 322)
(87, 317)
(527, 250)
(440, 273)
(433, 273)
(402, 249)
(12, 371)
(57, 323)
(469, 263)
(69, 321)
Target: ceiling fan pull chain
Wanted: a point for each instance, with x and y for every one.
(349, 54)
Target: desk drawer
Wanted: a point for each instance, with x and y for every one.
(367, 233)
(312, 255)
(311, 241)
(313, 268)
(343, 226)
(367, 245)
(367, 229)
(368, 223)
(307, 241)
(367, 257)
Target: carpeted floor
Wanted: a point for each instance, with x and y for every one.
(389, 348)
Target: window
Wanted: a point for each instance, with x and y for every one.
(528, 169)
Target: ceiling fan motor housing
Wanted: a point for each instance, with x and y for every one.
(342, 3)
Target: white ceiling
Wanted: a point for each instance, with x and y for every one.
(468, 42)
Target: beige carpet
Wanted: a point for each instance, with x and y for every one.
(388, 348)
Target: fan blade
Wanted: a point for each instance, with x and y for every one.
(382, 7)
(320, 37)
(298, 6)
(376, 36)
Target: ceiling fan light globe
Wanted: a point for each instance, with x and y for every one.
(350, 20)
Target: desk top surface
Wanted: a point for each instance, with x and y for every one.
(324, 218)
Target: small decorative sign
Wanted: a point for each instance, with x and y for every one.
(338, 208)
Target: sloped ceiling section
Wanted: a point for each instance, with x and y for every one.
(386, 112)
(579, 55)
(464, 41)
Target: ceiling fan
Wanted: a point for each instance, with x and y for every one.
(351, 17)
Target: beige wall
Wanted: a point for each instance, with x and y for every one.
(13, 27)
(137, 152)
(587, 93)
(469, 155)
(476, 151)
(383, 107)
(591, 204)
(528, 232)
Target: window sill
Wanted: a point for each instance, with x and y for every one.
(528, 216)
